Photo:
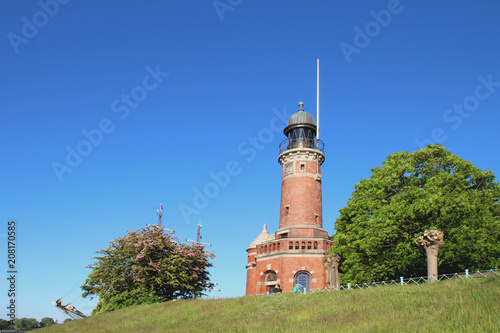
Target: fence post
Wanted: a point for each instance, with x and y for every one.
(348, 285)
(401, 279)
(466, 273)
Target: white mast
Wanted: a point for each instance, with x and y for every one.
(317, 100)
(317, 114)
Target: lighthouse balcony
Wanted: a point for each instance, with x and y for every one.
(302, 143)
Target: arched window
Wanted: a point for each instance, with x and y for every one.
(279, 246)
(290, 246)
(296, 245)
(308, 245)
(302, 281)
(271, 277)
(303, 245)
(271, 281)
(315, 245)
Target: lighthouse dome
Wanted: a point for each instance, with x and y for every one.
(301, 117)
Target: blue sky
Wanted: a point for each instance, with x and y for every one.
(159, 97)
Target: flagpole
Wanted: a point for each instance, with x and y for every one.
(317, 99)
(317, 113)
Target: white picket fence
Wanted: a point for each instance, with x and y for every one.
(405, 281)
(418, 280)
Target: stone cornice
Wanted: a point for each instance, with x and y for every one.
(302, 154)
(299, 226)
(251, 265)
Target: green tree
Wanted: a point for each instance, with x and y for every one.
(46, 322)
(25, 323)
(67, 320)
(4, 324)
(413, 192)
(147, 266)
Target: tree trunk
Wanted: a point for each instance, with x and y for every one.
(332, 271)
(432, 263)
(431, 241)
(336, 279)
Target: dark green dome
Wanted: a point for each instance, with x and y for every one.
(301, 117)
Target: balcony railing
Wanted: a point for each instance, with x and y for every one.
(316, 144)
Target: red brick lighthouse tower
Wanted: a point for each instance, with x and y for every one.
(293, 255)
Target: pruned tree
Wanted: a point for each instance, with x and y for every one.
(147, 266)
(331, 263)
(413, 192)
(431, 241)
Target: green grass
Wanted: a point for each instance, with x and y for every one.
(447, 306)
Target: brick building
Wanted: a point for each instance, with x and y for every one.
(293, 255)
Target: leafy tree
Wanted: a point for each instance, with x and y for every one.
(147, 266)
(67, 320)
(413, 192)
(25, 323)
(46, 322)
(4, 324)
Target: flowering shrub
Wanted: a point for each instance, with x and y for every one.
(147, 266)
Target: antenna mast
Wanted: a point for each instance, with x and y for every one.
(198, 237)
(159, 212)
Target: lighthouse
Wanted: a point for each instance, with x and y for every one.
(293, 256)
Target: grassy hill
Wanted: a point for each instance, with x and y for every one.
(447, 306)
